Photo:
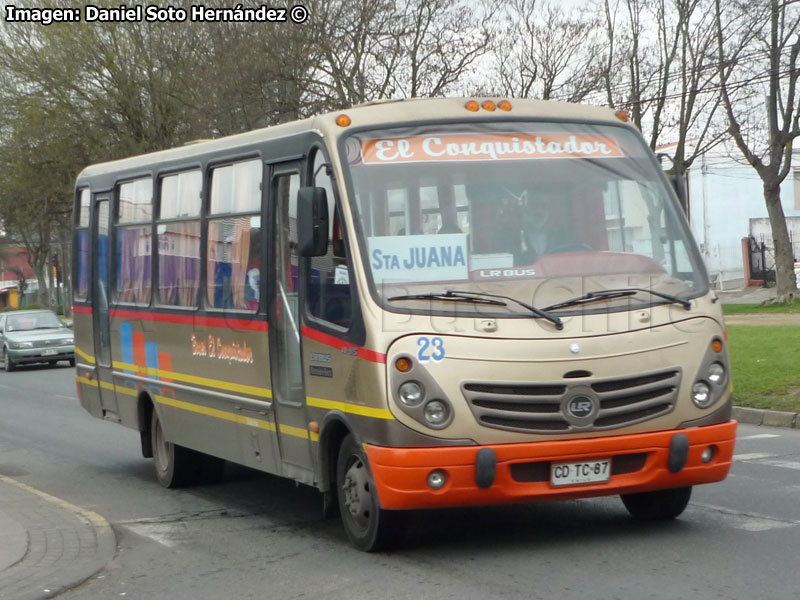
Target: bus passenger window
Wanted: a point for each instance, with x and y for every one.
(179, 240)
(329, 295)
(233, 268)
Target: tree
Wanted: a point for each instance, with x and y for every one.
(551, 52)
(763, 130)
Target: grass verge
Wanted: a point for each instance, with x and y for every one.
(765, 364)
(746, 309)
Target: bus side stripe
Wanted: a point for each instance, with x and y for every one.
(225, 322)
(329, 340)
(84, 356)
(355, 409)
(204, 381)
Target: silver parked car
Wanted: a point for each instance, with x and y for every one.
(35, 336)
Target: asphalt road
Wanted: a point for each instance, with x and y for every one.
(255, 536)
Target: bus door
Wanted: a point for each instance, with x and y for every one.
(286, 368)
(102, 333)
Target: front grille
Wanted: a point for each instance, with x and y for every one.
(540, 407)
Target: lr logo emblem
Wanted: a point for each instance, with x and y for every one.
(580, 407)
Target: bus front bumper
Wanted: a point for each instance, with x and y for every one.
(503, 473)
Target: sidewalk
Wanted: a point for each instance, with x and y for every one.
(47, 545)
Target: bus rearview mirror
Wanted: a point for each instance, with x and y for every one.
(312, 221)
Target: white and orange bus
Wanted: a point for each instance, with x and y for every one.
(425, 303)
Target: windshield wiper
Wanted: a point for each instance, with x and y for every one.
(536, 311)
(620, 293)
(482, 298)
(451, 296)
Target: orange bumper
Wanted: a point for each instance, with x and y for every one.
(639, 463)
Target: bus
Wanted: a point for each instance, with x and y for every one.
(410, 304)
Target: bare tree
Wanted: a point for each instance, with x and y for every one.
(758, 48)
(550, 52)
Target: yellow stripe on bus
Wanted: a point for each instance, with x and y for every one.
(216, 413)
(205, 381)
(240, 419)
(84, 356)
(346, 407)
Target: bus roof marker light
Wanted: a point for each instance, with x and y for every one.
(343, 121)
(472, 106)
(504, 105)
(488, 105)
(622, 115)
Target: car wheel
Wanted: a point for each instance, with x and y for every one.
(8, 364)
(368, 526)
(71, 362)
(660, 505)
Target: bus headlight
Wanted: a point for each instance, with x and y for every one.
(411, 393)
(436, 413)
(716, 373)
(701, 395)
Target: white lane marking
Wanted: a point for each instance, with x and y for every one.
(746, 521)
(166, 534)
(786, 464)
(758, 436)
(66, 397)
(752, 456)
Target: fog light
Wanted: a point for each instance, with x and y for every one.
(411, 393)
(437, 479)
(716, 373)
(708, 454)
(701, 395)
(436, 412)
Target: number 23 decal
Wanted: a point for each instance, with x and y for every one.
(430, 349)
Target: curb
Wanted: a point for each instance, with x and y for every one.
(57, 545)
(771, 418)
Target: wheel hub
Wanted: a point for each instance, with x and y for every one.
(357, 496)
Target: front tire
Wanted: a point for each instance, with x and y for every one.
(8, 364)
(369, 527)
(661, 505)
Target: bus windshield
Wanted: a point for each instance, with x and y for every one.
(538, 212)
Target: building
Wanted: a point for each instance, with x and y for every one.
(13, 261)
(726, 205)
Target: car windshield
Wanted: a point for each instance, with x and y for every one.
(541, 212)
(30, 321)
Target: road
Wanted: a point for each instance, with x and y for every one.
(256, 536)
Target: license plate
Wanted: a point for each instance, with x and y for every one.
(49, 352)
(587, 471)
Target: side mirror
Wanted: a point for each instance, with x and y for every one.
(312, 221)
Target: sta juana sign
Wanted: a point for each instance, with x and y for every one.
(487, 146)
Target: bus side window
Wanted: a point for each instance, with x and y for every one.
(329, 295)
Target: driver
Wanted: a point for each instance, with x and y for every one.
(538, 234)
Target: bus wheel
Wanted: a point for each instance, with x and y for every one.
(660, 505)
(175, 465)
(368, 526)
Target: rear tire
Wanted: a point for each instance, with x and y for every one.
(369, 527)
(71, 362)
(175, 465)
(661, 505)
(8, 364)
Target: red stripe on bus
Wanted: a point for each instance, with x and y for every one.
(82, 310)
(227, 322)
(139, 354)
(346, 347)
(165, 364)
